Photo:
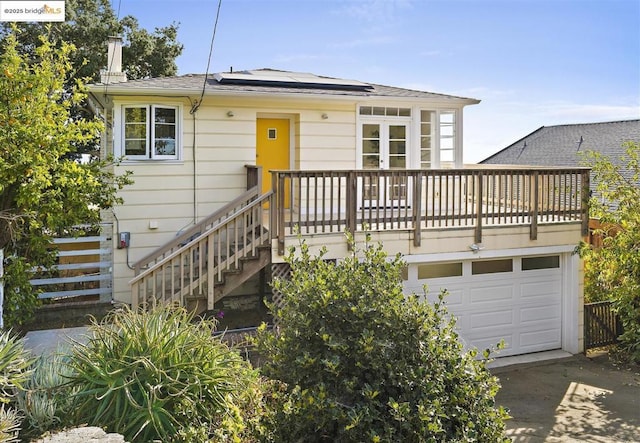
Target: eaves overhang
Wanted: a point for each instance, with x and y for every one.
(117, 90)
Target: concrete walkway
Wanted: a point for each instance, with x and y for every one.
(49, 340)
(575, 399)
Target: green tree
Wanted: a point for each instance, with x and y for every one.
(613, 270)
(43, 192)
(88, 25)
(358, 361)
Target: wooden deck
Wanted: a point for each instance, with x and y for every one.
(315, 202)
(195, 264)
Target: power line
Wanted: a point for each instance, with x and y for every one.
(206, 74)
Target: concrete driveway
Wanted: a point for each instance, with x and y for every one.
(576, 399)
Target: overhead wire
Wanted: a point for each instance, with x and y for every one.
(195, 107)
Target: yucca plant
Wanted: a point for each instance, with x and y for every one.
(9, 424)
(159, 375)
(15, 362)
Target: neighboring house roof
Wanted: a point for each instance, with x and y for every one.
(561, 145)
(269, 81)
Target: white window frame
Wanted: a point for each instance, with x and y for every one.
(436, 137)
(119, 137)
(414, 133)
(384, 121)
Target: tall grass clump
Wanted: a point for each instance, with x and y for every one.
(161, 375)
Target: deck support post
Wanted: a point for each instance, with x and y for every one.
(533, 233)
(279, 183)
(585, 203)
(479, 201)
(352, 203)
(417, 209)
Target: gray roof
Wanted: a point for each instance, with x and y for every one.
(561, 145)
(193, 83)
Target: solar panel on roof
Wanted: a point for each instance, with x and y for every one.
(295, 79)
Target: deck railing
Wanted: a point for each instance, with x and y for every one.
(194, 261)
(193, 269)
(376, 200)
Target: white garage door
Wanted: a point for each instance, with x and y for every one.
(518, 300)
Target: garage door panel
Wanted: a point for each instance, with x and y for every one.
(493, 319)
(540, 340)
(491, 342)
(532, 290)
(523, 308)
(455, 293)
(502, 293)
(540, 313)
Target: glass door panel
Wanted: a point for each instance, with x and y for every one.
(384, 147)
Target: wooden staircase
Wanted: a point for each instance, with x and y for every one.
(208, 261)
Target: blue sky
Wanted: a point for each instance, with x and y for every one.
(532, 62)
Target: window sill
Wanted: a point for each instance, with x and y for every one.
(151, 161)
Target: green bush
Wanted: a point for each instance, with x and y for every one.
(355, 360)
(612, 271)
(160, 375)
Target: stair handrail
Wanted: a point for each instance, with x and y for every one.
(202, 235)
(180, 240)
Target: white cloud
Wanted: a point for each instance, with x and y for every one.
(375, 11)
(295, 58)
(358, 43)
(432, 53)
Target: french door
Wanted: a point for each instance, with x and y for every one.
(384, 149)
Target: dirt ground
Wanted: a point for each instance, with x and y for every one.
(577, 399)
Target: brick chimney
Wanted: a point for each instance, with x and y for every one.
(113, 73)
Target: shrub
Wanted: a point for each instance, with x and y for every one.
(160, 375)
(359, 361)
(612, 271)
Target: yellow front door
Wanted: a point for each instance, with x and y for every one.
(273, 144)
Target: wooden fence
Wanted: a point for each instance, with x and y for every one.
(602, 326)
(83, 269)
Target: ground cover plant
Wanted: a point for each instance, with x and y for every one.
(355, 360)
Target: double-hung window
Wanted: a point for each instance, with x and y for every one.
(150, 132)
